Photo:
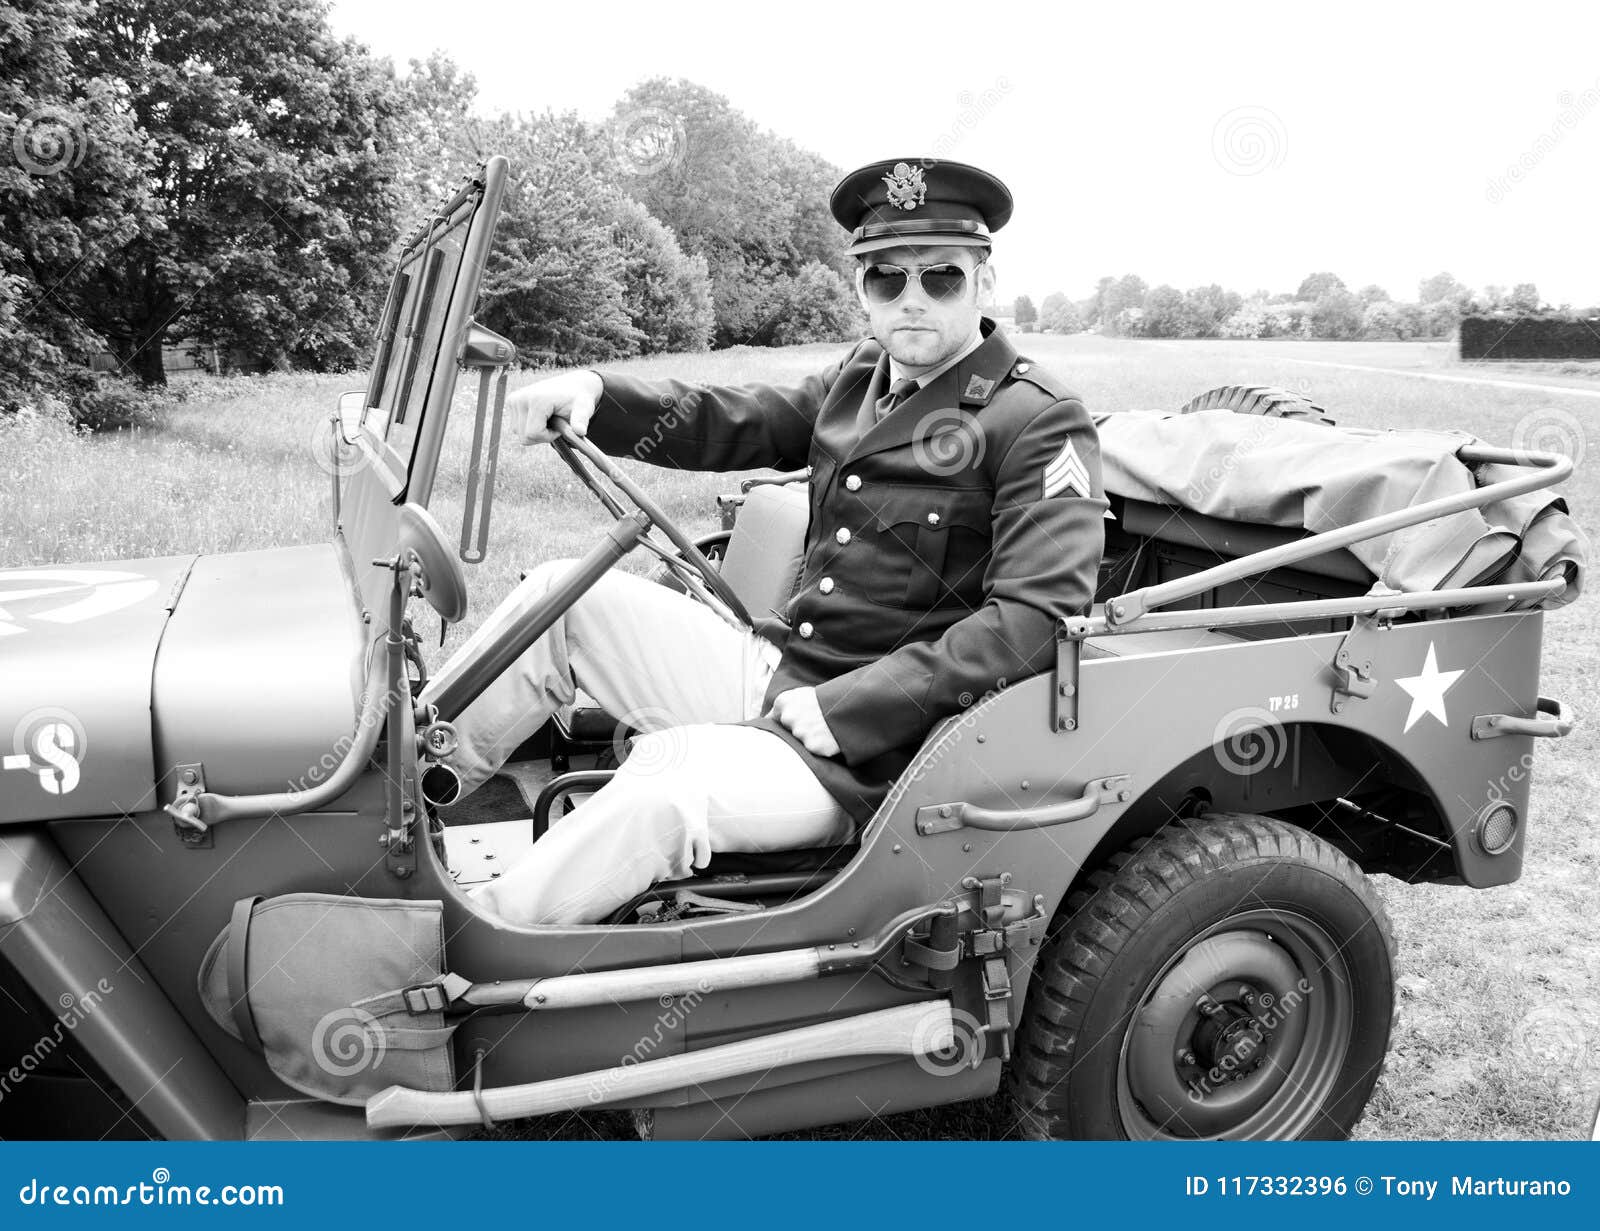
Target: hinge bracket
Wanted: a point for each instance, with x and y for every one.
(1352, 663)
(1069, 658)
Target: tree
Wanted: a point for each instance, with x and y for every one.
(1337, 314)
(1438, 319)
(753, 205)
(1525, 298)
(1024, 313)
(1443, 288)
(1165, 314)
(1208, 307)
(72, 195)
(1315, 286)
(666, 293)
(1096, 309)
(1058, 314)
(1373, 293)
(440, 141)
(272, 177)
(557, 279)
(812, 305)
(1122, 296)
(1383, 318)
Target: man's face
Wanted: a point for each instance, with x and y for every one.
(920, 332)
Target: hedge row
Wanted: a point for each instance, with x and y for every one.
(1530, 337)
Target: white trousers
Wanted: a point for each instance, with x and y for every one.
(663, 663)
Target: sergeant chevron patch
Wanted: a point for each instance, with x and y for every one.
(1065, 473)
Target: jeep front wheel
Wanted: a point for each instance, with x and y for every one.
(1229, 978)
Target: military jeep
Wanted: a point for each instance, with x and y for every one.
(1132, 888)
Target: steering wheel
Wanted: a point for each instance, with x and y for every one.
(438, 574)
(689, 564)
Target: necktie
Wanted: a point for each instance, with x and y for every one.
(898, 392)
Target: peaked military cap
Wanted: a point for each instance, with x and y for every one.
(919, 201)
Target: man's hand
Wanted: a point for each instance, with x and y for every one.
(798, 710)
(571, 396)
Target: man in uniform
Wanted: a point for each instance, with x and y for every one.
(955, 516)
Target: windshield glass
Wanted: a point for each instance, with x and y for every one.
(411, 332)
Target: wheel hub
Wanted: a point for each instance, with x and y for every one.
(1242, 1041)
(1211, 1045)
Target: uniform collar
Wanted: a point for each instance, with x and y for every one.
(980, 373)
(971, 381)
(897, 373)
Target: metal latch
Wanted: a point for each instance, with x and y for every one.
(184, 809)
(1352, 664)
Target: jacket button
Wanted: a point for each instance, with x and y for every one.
(933, 519)
(852, 483)
(805, 629)
(842, 536)
(826, 585)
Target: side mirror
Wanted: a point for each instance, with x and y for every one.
(352, 409)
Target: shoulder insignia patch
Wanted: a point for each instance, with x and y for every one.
(1065, 475)
(978, 388)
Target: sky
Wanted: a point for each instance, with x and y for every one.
(1245, 144)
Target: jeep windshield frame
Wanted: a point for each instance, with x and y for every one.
(423, 332)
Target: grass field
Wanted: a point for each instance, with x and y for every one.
(1499, 1035)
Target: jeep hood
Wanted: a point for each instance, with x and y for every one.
(112, 674)
(77, 647)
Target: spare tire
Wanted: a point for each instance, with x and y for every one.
(1258, 400)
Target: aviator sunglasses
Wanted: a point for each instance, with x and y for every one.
(884, 284)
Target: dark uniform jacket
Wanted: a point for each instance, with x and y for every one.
(936, 565)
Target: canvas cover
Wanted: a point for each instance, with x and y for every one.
(1315, 476)
(336, 992)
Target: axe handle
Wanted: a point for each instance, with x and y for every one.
(908, 1030)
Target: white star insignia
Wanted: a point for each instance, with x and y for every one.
(1427, 690)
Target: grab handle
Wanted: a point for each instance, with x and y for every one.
(1553, 725)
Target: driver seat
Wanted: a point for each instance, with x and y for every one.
(761, 564)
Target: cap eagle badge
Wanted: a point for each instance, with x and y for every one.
(907, 188)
